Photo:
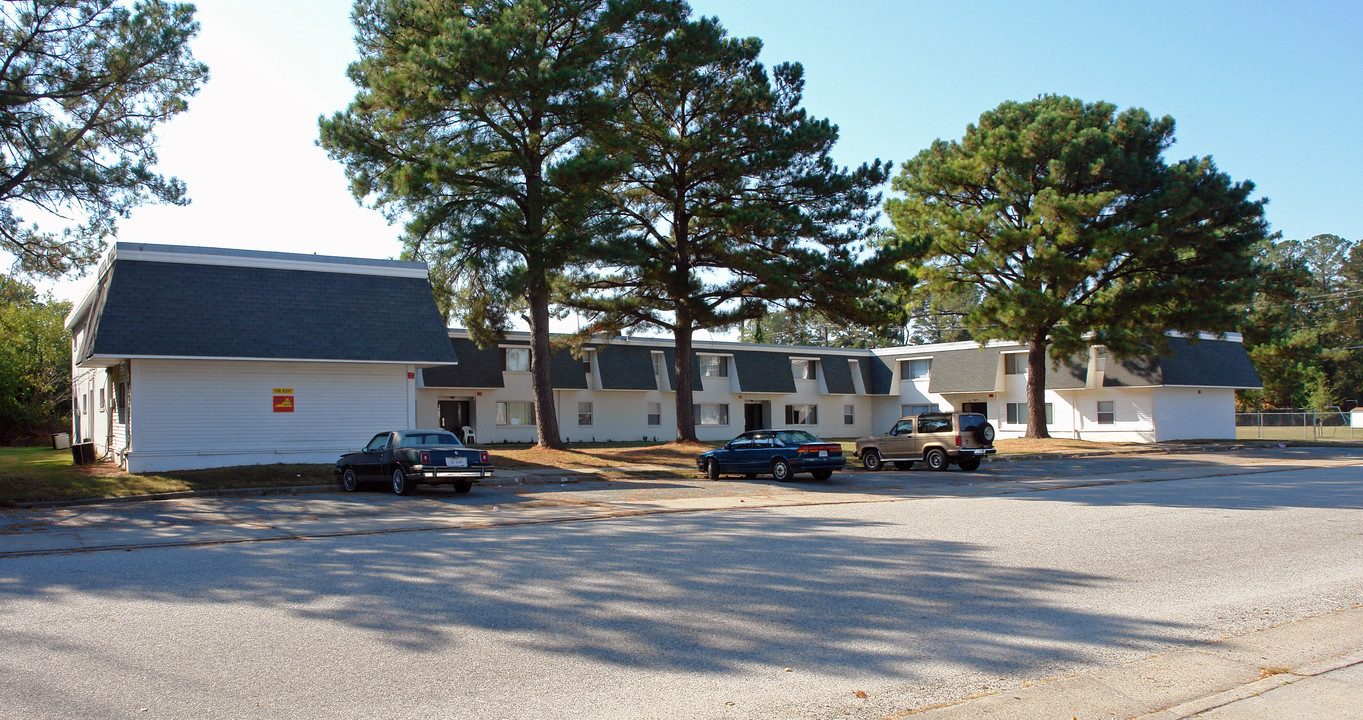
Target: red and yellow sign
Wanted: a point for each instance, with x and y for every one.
(283, 400)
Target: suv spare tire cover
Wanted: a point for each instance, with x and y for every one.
(984, 432)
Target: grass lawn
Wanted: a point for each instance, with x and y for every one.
(36, 474)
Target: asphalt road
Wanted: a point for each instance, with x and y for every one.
(674, 598)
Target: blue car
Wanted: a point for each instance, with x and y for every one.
(782, 453)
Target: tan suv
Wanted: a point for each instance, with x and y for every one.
(938, 439)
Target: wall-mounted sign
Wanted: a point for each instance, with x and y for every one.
(283, 400)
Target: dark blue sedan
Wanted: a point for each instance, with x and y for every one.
(779, 452)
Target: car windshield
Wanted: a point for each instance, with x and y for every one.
(796, 437)
(423, 439)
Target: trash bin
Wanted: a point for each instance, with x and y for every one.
(61, 441)
(83, 453)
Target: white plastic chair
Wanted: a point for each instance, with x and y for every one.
(468, 435)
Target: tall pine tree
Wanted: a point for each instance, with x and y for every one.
(473, 122)
(1077, 231)
(730, 198)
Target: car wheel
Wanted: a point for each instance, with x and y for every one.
(822, 474)
(969, 464)
(349, 482)
(936, 459)
(401, 485)
(871, 460)
(780, 469)
(903, 465)
(712, 469)
(985, 434)
(463, 486)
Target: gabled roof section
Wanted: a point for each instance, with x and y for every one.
(670, 356)
(1206, 363)
(477, 368)
(876, 375)
(837, 374)
(626, 367)
(969, 370)
(171, 301)
(764, 372)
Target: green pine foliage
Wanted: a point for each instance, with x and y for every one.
(1304, 330)
(35, 362)
(84, 85)
(728, 197)
(1076, 230)
(474, 123)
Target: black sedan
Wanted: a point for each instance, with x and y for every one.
(782, 453)
(408, 457)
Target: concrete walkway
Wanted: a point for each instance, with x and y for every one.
(1312, 668)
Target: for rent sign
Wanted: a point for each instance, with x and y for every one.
(283, 400)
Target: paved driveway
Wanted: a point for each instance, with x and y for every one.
(666, 598)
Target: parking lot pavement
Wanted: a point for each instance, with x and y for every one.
(1308, 668)
(539, 499)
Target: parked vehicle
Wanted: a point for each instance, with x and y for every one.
(937, 439)
(782, 453)
(408, 457)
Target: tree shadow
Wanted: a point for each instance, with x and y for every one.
(712, 592)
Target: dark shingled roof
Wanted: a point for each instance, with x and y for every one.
(1205, 363)
(193, 310)
(876, 375)
(670, 356)
(477, 368)
(626, 367)
(483, 368)
(837, 374)
(764, 372)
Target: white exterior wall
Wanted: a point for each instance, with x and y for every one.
(1132, 415)
(1194, 414)
(188, 414)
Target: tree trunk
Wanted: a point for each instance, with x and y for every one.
(1036, 387)
(686, 426)
(546, 417)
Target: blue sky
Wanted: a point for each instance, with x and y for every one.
(1273, 91)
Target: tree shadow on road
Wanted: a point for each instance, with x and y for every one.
(710, 592)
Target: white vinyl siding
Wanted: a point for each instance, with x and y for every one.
(211, 413)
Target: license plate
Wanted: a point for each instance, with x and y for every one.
(457, 461)
(823, 453)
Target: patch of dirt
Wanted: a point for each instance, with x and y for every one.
(672, 454)
(1024, 446)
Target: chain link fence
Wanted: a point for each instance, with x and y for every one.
(1299, 425)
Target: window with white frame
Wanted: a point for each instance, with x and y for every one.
(516, 359)
(1106, 412)
(714, 366)
(1015, 364)
(1017, 414)
(802, 414)
(658, 368)
(514, 412)
(804, 369)
(849, 414)
(587, 362)
(917, 369)
(584, 413)
(907, 410)
(101, 399)
(655, 413)
(712, 414)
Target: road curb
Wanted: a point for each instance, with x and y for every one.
(532, 478)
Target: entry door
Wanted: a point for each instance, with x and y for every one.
(752, 417)
(455, 414)
(976, 407)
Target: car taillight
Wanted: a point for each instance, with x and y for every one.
(484, 458)
(425, 458)
(958, 441)
(817, 448)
